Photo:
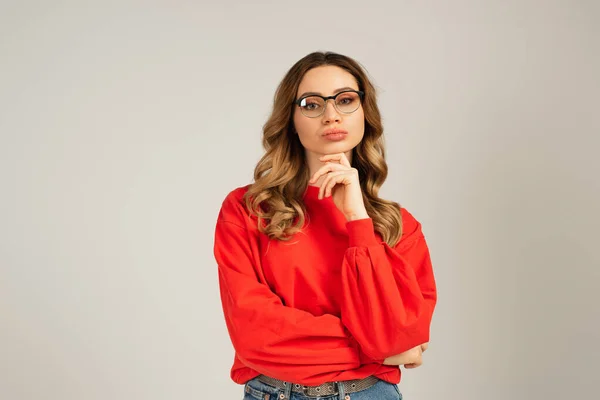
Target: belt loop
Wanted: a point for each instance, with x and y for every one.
(288, 391)
(341, 390)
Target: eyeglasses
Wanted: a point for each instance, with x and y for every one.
(345, 102)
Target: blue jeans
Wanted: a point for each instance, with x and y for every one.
(382, 390)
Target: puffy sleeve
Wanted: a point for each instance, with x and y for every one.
(388, 294)
(268, 336)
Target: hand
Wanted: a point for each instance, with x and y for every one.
(419, 361)
(410, 359)
(341, 182)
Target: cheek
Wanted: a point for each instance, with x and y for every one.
(305, 126)
(358, 122)
(297, 120)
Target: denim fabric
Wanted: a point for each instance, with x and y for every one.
(382, 390)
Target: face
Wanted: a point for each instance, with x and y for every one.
(313, 132)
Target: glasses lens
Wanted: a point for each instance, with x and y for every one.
(347, 102)
(312, 106)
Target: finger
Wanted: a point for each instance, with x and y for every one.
(340, 157)
(329, 182)
(329, 167)
(349, 175)
(340, 177)
(415, 364)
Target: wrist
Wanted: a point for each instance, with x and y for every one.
(358, 215)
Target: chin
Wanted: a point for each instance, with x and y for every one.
(339, 147)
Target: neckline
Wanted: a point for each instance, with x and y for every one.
(312, 190)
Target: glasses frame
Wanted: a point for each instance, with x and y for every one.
(360, 93)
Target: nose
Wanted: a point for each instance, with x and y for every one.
(331, 113)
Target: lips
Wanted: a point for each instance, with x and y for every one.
(335, 135)
(334, 131)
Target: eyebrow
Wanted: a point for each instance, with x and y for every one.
(319, 94)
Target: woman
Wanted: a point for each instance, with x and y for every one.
(326, 288)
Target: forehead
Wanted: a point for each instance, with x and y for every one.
(326, 80)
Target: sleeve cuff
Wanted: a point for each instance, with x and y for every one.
(361, 233)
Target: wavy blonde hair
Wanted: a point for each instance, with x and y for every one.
(281, 176)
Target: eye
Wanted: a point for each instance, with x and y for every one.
(310, 103)
(346, 100)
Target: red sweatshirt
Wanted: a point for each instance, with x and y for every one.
(330, 304)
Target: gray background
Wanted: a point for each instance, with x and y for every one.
(124, 125)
